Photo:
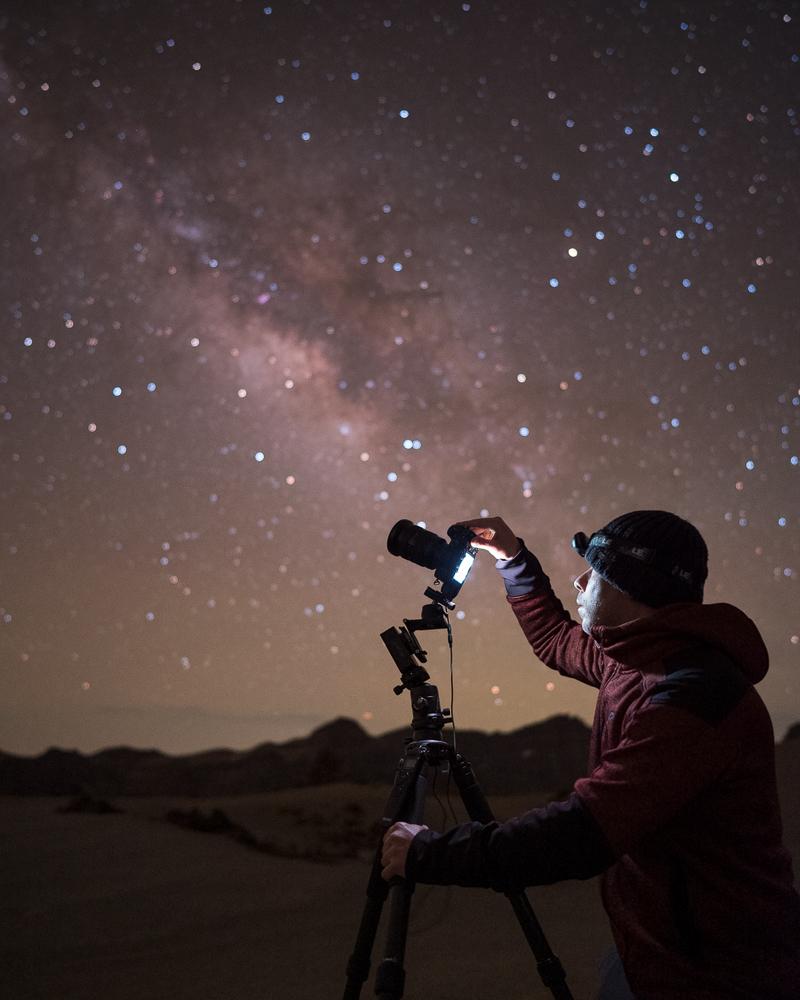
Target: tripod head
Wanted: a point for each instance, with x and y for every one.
(428, 717)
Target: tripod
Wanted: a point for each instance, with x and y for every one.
(424, 753)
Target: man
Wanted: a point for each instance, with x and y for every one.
(679, 809)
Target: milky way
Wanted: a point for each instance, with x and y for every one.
(277, 276)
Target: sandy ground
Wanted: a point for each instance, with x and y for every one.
(125, 907)
(130, 907)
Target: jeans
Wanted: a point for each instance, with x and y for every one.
(613, 983)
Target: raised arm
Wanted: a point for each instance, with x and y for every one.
(558, 641)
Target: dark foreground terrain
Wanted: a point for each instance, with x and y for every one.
(125, 906)
(225, 901)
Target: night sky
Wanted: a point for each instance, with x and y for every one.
(277, 276)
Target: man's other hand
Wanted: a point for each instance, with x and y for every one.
(494, 536)
(396, 842)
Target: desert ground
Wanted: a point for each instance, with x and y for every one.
(131, 906)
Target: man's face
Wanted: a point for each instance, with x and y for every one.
(601, 604)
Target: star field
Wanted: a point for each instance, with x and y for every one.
(280, 275)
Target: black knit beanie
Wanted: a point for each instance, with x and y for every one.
(653, 556)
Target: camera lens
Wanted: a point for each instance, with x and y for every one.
(416, 544)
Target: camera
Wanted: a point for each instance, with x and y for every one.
(451, 561)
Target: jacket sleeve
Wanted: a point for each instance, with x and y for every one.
(559, 841)
(558, 641)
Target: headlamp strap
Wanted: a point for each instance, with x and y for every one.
(639, 552)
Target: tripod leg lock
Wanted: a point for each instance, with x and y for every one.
(390, 979)
(553, 976)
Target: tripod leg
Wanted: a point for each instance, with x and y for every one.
(391, 975)
(358, 964)
(404, 791)
(548, 964)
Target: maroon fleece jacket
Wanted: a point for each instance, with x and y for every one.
(679, 808)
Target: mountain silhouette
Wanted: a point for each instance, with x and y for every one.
(547, 755)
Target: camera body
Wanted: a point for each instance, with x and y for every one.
(451, 561)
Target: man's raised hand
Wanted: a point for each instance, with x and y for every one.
(494, 536)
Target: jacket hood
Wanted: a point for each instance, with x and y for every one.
(672, 627)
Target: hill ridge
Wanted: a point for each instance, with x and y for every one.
(546, 754)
